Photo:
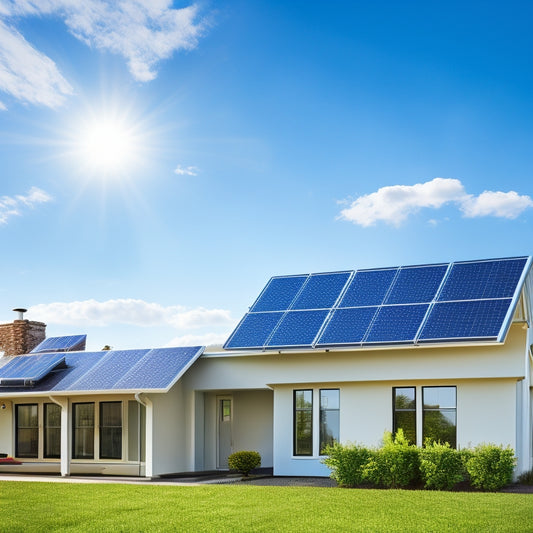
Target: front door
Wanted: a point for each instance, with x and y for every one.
(224, 441)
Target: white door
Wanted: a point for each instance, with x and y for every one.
(224, 440)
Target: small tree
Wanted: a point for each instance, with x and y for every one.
(244, 461)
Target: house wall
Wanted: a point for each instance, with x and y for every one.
(6, 428)
(252, 425)
(486, 377)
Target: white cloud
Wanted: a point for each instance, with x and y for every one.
(3, 107)
(143, 32)
(209, 339)
(128, 311)
(14, 205)
(496, 203)
(187, 171)
(394, 204)
(27, 74)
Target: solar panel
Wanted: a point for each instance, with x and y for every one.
(159, 368)
(473, 319)
(368, 287)
(279, 293)
(109, 369)
(25, 370)
(61, 344)
(383, 306)
(396, 323)
(483, 279)
(321, 291)
(298, 328)
(254, 330)
(416, 284)
(347, 326)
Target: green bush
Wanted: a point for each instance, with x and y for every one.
(491, 467)
(396, 464)
(346, 463)
(441, 466)
(244, 461)
(526, 478)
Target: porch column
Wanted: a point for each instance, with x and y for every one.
(65, 435)
(149, 440)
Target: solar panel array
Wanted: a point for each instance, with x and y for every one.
(114, 370)
(68, 343)
(471, 300)
(26, 370)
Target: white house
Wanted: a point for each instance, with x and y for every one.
(442, 351)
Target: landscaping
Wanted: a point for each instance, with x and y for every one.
(41, 506)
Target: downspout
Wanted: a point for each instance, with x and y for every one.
(147, 403)
(65, 434)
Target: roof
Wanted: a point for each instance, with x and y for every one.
(467, 301)
(118, 371)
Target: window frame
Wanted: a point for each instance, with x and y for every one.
(33, 455)
(74, 431)
(295, 411)
(411, 410)
(336, 438)
(101, 439)
(439, 409)
(46, 427)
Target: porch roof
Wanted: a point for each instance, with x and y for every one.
(117, 371)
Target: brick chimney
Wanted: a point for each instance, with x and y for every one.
(21, 336)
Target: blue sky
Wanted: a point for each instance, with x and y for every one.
(256, 138)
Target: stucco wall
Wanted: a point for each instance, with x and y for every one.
(6, 428)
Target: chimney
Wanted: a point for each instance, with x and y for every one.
(21, 336)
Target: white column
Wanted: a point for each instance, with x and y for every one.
(65, 434)
(148, 445)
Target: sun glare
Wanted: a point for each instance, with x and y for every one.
(107, 146)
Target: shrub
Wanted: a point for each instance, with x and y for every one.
(441, 466)
(491, 467)
(346, 463)
(396, 464)
(244, 461)
(526, 478)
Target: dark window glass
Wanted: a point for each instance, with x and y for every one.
(440, 414)
(404, 412)
(111, 430)
(329, 417)
(83, 434)
(27, 436)
(225, 410)
(303, 422)
(52, 430)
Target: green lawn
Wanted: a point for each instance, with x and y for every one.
(28, 507)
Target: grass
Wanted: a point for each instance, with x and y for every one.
(30, 507)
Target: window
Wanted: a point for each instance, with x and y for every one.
(52, 430)
(303, 422)
(83, 431)
(27, 433)
(329, 417)
(111, 430)
(225, 410)
(404, 412)
(440, 416)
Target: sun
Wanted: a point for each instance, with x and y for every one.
(108, 145)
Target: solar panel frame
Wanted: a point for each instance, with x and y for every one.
(65, 343)
(29, 369)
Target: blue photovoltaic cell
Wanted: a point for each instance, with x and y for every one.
(159, 368)
(109, 370)
(396, 323)
(254, 330)
(416, 284)
(347, 326)
(61, 344)
(278, 294)
(483, 279)
(298, 328)
(78, 364)
(368, 287)
(321, 291)
(29, 368)
(469, 319)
